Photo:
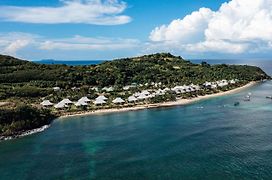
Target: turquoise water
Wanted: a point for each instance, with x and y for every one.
(211, 139)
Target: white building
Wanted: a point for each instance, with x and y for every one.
(142, 97)
(63, 104)
(137, 94)
(145, 92)
(232, 81)
(207, 84)
(159, 92)
(179, 89)
(66, 101)
(118, 101)
(108, 89)
(99, 102)
(101, 98)
(46, 103)
(132, 99)
(60, 105)
(56, 88)
(84, 99)
(126, 88)
(214, 86)
(81, 103)
(222, 83)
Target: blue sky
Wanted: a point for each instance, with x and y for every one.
(108, 29)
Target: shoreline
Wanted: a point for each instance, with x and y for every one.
(25, 133)
(178, 102)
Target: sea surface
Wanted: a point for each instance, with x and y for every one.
(211, 139)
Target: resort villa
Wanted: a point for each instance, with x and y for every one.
(143, 96)
(47, 103)
(118, 101)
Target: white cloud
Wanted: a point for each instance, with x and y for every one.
(238, 26)
(89, 43)
(188, 29)
(25, 45)
(242, 20)
(13, 47)
(217, 46)
(98, 12)
(10, 43)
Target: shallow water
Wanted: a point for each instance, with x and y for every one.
(210, 139)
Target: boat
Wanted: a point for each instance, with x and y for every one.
(247, 98)
(236, 103)
(268, 97)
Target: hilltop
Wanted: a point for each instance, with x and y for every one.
(161, 67)
(11, 61)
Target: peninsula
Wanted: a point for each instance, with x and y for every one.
(32, 95)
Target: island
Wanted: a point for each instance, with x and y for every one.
(32, 95)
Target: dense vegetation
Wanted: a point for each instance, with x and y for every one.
(26, 82)
(164, 68)
(22, 118)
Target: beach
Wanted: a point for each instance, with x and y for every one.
(178, 102)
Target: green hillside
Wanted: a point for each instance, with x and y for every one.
(164, 68)
(24, 83)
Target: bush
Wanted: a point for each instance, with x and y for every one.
(22, 118)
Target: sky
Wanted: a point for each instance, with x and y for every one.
(109, 29)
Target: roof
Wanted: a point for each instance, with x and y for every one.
(99, 101)
(81, 103)
(60, 105)
(84, 99)
(66, 101)
(145, 92)
(132, 99)
(142, 96)
(46, 103)
(118, 100)
(108, 89)
(56, 87)
(101, 98)
(137, 94)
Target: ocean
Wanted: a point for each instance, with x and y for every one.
(210, 139)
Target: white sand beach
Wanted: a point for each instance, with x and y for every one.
(178, 102)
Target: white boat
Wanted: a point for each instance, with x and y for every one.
(247, 98)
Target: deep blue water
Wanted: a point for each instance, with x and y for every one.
(211, 139)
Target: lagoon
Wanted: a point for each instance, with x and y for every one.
(211, 139)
